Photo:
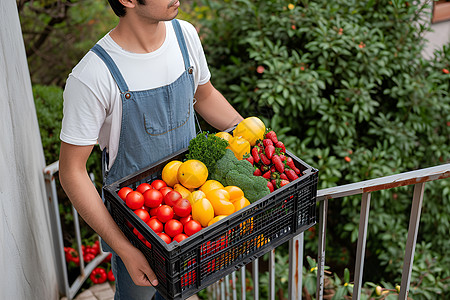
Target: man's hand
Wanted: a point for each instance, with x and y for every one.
(138, 268)
(86, 200)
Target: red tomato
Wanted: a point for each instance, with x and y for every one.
(152, 198)
(155, 225)
(143, 187)
(165, 190)
(180, 237)
(192, 227)
(171, 197)
(182, 208)
(164, 213)
(158, 184)
(184, 220)
(134, 200)
(153, 211)
(123, 192)
(173, 227)
(165, 237)
(143, 214)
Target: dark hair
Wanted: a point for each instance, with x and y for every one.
(119, 9)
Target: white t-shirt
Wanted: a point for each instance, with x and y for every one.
(92, 103)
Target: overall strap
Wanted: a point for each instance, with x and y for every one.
(109, 62)
(181, 43)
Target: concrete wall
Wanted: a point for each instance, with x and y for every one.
(27, 268)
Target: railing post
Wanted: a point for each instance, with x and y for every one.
(296, 267)
(413, 229)
(361, 248)
(55, 223)
(272, 275)
(321, 253)
(255, 271)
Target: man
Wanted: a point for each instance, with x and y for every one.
(134, 94)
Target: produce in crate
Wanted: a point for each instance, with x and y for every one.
(221, 174)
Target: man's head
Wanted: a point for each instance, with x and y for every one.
(119, 8)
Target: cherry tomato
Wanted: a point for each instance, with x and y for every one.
(134, 200)
(143, 187)
(152, 198)
(123, 192)
(171, 197)
(180, 237)
(165, 190)
(143, 214)
(164, 213)
(182, 208)
(158, 184)
(110, 276)
(156, 225)
(173, 227)
(192, 227)
(153, 211)
(165, 237)
(184, 220)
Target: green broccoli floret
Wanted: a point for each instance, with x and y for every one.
(231, 171)
(246, 165)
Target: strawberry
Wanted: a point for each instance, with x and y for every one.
(283, 182)
(264, 168)
(291, 174)
(269, 150)
(275, 183)
(272, 168)
(264, 159)
(257, 172)
(272, 136)
(280, 145)
(250, 159)
(284, 176)
(283, 157)
(266, 175)
(270, 186)
(255, 154)
(278, 163)
(267, 142)
(290, 164)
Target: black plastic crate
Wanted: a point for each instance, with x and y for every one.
(185, 268)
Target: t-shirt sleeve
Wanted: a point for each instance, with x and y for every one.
(192, 35)
(83, 114)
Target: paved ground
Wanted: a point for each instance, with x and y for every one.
(104, 291)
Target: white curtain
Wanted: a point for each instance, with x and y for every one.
(26, 255)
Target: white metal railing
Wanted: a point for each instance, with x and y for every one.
(365, 188)
(65, 288)
(226, 288)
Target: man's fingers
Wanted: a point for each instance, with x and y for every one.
(151, 277)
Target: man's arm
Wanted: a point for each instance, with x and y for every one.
(214, 108)
(85, 198)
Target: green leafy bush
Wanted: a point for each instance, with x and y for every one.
(347, 85)
(49, 109)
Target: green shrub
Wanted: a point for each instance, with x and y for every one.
(347, 86)
(49, 109)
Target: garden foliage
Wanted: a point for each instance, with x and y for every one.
(344, 84)
(347, 84)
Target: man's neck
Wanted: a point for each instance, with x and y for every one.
(137, 36)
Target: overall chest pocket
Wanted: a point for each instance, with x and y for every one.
(169, 109)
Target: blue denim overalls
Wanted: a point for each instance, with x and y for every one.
(155, 123)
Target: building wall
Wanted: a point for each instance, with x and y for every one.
(439, 36)
(26, 254)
